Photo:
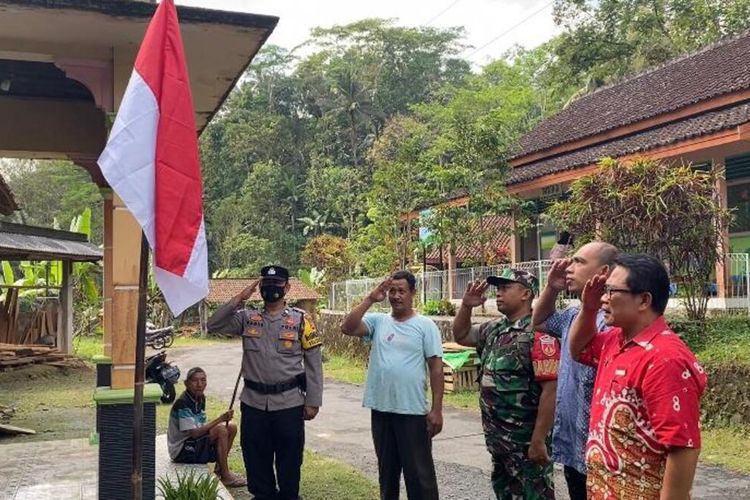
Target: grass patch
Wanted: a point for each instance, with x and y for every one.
(345, 369)
(56, 403)
(467, 400)
(728, 447)
(87, 347)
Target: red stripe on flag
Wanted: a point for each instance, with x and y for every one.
(178, 185)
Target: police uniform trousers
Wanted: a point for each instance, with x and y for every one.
(273, 438)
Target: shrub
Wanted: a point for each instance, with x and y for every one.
(442, 307)
(190, 487)
(647, 206)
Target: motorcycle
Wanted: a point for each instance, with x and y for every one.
(159, 338)
(162, 372)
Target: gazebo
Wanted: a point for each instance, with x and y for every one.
(64, 66)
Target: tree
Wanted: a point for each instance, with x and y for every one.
(74, 192)
(330, 254)
(647, 206)
(605, 40)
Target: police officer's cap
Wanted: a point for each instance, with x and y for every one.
(275, 272)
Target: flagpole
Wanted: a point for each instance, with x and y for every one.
(136, 478)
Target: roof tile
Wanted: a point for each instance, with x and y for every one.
(719, 69)
(222, 290)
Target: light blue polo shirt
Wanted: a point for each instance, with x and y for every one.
(397, 373)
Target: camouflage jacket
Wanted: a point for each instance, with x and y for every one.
(513, 360)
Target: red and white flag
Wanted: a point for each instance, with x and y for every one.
(151, 162)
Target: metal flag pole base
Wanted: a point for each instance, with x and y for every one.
(136, 478)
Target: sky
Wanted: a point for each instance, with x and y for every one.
(492, 26)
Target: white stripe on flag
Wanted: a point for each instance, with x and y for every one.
(128, 161)
(183, 292)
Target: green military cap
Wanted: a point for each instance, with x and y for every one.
(510, 275)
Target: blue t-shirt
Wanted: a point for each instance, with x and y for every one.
(397, 376)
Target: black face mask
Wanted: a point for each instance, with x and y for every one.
(272, 293)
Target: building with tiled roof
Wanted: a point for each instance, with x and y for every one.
(694, 109)
(222, 290)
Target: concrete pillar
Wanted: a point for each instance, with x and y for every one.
(723, 269)
(514, 241)
(451, 272)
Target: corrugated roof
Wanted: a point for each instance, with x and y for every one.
(714, 71)
(641, 142)
(18, 242)
(222, 290)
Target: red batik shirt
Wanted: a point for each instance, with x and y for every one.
(646, 399)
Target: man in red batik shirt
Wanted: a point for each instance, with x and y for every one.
(644, 437)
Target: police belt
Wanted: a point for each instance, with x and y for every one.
(278, 388)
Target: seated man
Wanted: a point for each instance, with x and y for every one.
(193, 441)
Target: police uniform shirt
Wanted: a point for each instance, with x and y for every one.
(276, 348)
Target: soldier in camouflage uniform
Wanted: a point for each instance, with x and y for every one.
(518, 381)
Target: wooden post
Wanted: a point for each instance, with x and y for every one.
(65, 315)
(126, 245)
(108, 288)
(140, 348)
(722, 274)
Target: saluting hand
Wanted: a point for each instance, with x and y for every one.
(249, 291)
(380, 291)
(474, 295)
(593, 290)
(557, 274)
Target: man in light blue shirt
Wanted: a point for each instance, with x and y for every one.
(575, 382)
(403, 424)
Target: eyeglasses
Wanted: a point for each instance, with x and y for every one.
(609, 290)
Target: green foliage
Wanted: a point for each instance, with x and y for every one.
(606, 40)
(313, 278)
(721, 339)
(329, 253)
(51, 193)
(190, 486)
(442, 307)
(647, 206)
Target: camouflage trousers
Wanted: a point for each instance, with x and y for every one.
(514, 477)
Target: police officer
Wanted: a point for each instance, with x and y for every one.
(518, 381)
(283, 373)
